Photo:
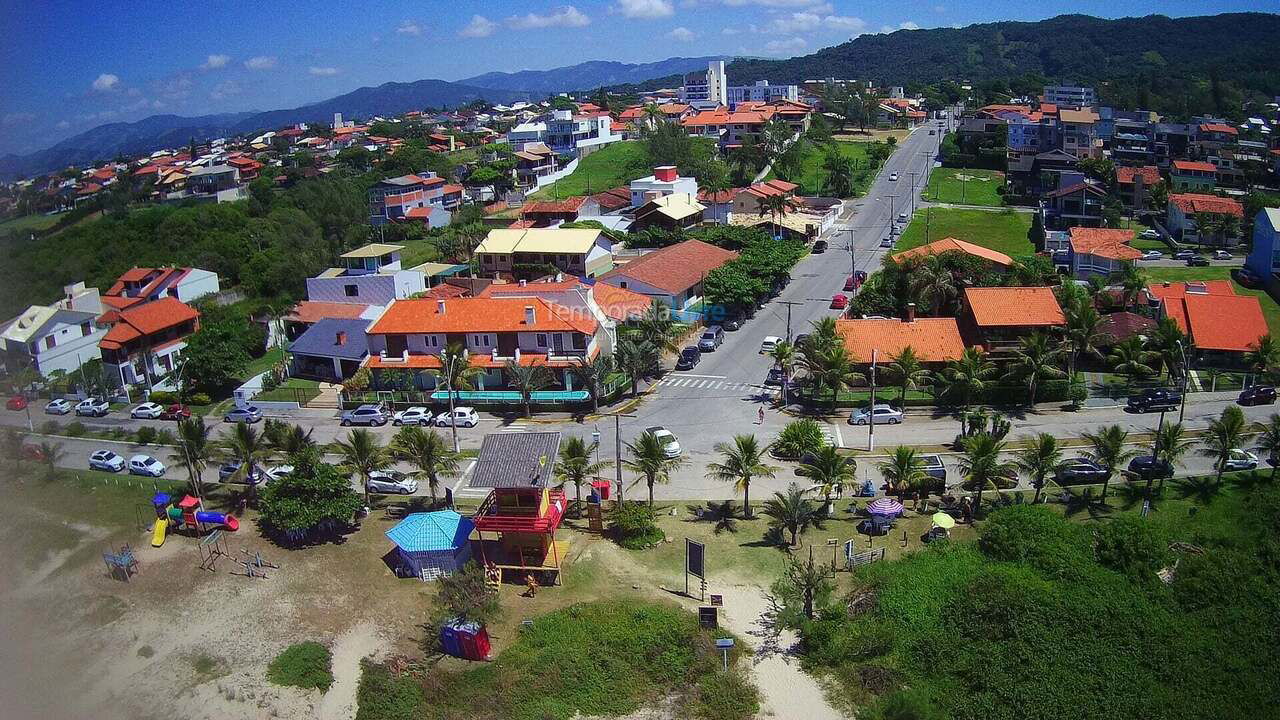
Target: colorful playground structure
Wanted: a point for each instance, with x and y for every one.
(187, 514)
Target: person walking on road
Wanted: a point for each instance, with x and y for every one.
(760, 416)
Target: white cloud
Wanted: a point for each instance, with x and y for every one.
(322, 71)
(785, 47)
(681, 34)
(563, 16)
(775, 3)
(62, 125)
(261, 62)
(808, 21)
(730, 31)
(213, 62)
(841, 22)
(904, 25)
(646, 9)
(225, 89)
(106, 82)
(174, 87)
(480, 26)
(409, 27)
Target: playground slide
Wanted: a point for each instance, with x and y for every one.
(217, 518)
(158, 531)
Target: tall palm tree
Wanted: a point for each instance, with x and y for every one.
(1224, 434)
(1171, 444)
(1035, 359)
(1168, 340)
(784, 356)
(1082, 333)
(1039, 459)
(791, 511)
(1132, 280)
(456, 372)
(981, 465)
(1131, 358)
(575, 464)
(828, 469)
(830, 367)
(1263, 354)
(1269, 442)
(966, 378)
(903, 471)
(652, 114)
(427, 451)
(635, 358)
(527, 379)
(934, 283)
(656, 327)
(775, 206)
(649, 460)
(362, 454)
(743, 462)
(1108, 448)
(594, 375)
(286, 439)
(908, 370)
(194, 451)
(249, 449)
(825, 333)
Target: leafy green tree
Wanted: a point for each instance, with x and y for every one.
(982, 467)
(792, 512)
(967, 377)
(649, 460)
(802, 589)
(213, 357)
(909, 372)
(194, 451)
(903, 471)
(1269, 442)
(743, 462)
(575, 466)
(829, 367)
(1034, 360)
(594, 375)
(1036, 232)
(467, 595)
(800, 436)
(246, 447)
(315, 495)
(1263, 354)
(426, 450)
(731, 287)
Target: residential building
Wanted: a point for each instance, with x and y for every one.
(1264, 258)
(526, 251)
(998, 317)
(1078, 204)
(145, 284)
(794, 113)
(570, 133)
(57, 337)
(672, 275)
(1100, 251)
(145, 341)
(1183, 209)
(526, 133)
(331, 350)
(761, 91)
(666, 179)
(309, 312)
(1132, 141)
(533, 161)
(1078, 132)
(550, 213)
(709, 88)
(618, 305)
(1172, 141)
(370, 275)
(950, 244)
(935, 341)
(424, 198)
(1222, 326)
(750, 201)
(220, 181)
(1030, 175)
(718, 204)
(1133, 186)
(609, 202)
(1071, 95)
(676, 211)
(1192, 176)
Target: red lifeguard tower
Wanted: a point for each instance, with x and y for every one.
(523, 511)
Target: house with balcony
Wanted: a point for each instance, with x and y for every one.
(570, 133)
(665, 180)
(219, 183)
(1132, 142)
(1184, 208)
(533, 161)
(1032, 175)
(422, 198)
(677, 211)
(1077, 204)
(1100, 251)
(997, 318)
(516, 523)
(1192, 176)
(145, 284)
(1078, 132)
(57, 337)
(369, 275)
(1133, 186)
(532, 252)
(144, 343)
(1172, 142)
(1222, 325)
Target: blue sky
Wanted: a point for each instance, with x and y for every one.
(68, 66)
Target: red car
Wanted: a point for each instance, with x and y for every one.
(839, 302)
(176, 412)
(17, 402)
(850, 283)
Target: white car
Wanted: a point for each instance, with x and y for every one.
(391, 482)
(93, 407)
(147, 411)
(145, 465)
(670, 446)
(893, 177)
(1152, 255)
(277, 472)
(1241, 460)
(1221, 255)
(769, 343)
(458, 417)
(902, 217)
(61, 406)
(415, 415)
(880, 415)
(1149, 235)
(106, 460)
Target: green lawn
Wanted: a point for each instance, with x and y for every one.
(615, 164)
(965, 187)
(417, 252)
(812, 179)
(1141, 244)
(262, 364)
(1270, 310)
(28, 223)
(292, 390)
(1005, 230)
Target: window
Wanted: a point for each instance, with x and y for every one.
(351, 290)
(49, 342)
(542, 340)
(579, 341)
(624, 284)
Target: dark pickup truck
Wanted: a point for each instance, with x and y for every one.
(1155, 399)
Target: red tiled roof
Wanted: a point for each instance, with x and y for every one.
(418, 213)
(673, 269)
(1170, 295)
(1192, 203)
(1120, 326)
(1218, 128)
(568, 205)
(522, 224)
(89, 189)
(951, 244)
(1013, 306)
(618, 303)
(1225, 322)
(719, 197)
(1149, 173)
(1104, 242)
(631, 113)
(451, 189)
(464, 315)
(613, 198)
(311, 311)
(932, 339)
(444, 291)
(147, 319)
(1194, 166)
(771, 187)
(718, 116)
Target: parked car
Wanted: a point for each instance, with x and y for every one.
(276, 473)
(893, 177)
(689, 358)
(819, 247)
(1257, 395)
(1239, 459)
(732, 324)
(850, 284)
(670, 446)
(1221, 255)
(146, 465)
(1149, 234)
(59, 406)
(176, 411)
(775, 377)
(1197, 261)
(106, 460)
(902, 217)
(391, 482)
(880, 415)
(839, 301)
(1146, 466)
(769, 343)
(250, 414)
(1184, 255)
(146, 411)
(933, 132)
(711, 338)
(860, 276)
(93, 407)
(365, 415)
(416, 415)
(933, 467)
(1080, 469)
(229, 468)
(886, 242)
(1247, 277)
(1152, 255)
(17, 402)
(1154, 399)
(458, 417)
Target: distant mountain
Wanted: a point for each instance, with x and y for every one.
(588, 75)
(105, 142)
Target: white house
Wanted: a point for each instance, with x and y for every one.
(665, 180)
(61, 336)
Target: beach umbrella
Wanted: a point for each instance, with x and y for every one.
(885, 506)
(944, 521)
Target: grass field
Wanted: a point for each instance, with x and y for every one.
(616, 164)
(1270, 310)
(28, 223)
(965, 187)
(292, 390)
(812, 179)
(1005, 231)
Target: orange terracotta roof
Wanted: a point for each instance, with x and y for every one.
(620, 304)
(1194, 166)
(1150, 174)
(932, 339)
(1013, 306)
(631, 113)
(772, 187)
(719, 197)
(522, 224)
(951, 244)
(1170, 295)
(1192, 203)
(613, 198)
(428, 362)
(1104, 242)
(463, 315)
(1218, 128)
(310, 311)
(568, 205)
(147, 319)
(418, 213)
(673, 269)
(1225, 322)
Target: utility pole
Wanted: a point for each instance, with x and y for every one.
(892, 217)
(617, 447)
(789, 303)
(911, 206)
(871, 411)
(1186, 377)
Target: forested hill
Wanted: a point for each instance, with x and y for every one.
(1174, 65)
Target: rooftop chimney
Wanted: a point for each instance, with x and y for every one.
(341, 337)
(666, 173)
(440, 306)
(911, 312)
(530, 317)
(522, 282)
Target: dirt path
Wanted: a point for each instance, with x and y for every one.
(786, 691)
(362, 640)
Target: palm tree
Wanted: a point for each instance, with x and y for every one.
(635, 358)
(527, 379)
(655, 327)
(910, 372)
(829, 469)
(784, 356)
(1224, 434)
(1132, 280)
(830, 367)
(288, 439)
(775, 206)
(825, 333)
(194, 451)
(967, 377)
(426, 450)
(1269, 441)
(362, 454)
(575, 464)
(1082, 334)
(1168, 340)
(249, 449)
(653, 114)
(1034, 360)
(456, 371)
(791, 511)
(904, 471)
(1132, 359)
(1108, 448)
(649, 460)
(981, 465)
(1263, 354)
(1171, 444)
(743, 462)
(933, 283)
(1039, 460)
(840, 177)
(51, 455)
(594, 375)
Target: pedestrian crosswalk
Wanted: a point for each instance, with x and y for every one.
(514, 428)
(678, 381)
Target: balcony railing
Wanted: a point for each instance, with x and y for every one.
(491, 517)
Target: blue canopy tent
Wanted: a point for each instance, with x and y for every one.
(433, 544)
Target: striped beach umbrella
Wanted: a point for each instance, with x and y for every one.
(885, 506)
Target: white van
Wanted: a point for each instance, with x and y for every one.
(770, 342)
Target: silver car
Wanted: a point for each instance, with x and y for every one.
(248, 415)
(146, 465)
(365, 415)
(60, 406)
(415, 415)
(106, 460)
(391, 482)
(879, 415)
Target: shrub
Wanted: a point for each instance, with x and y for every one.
(465, 595)
(1035, 535)
(165, 436)
(200, 398)
(163, 397)
(726, 696)
(75, 428)
(381, 695)
(49, 427)
(145, 435)
(799, 437)
(304, 665)
(633, 526)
